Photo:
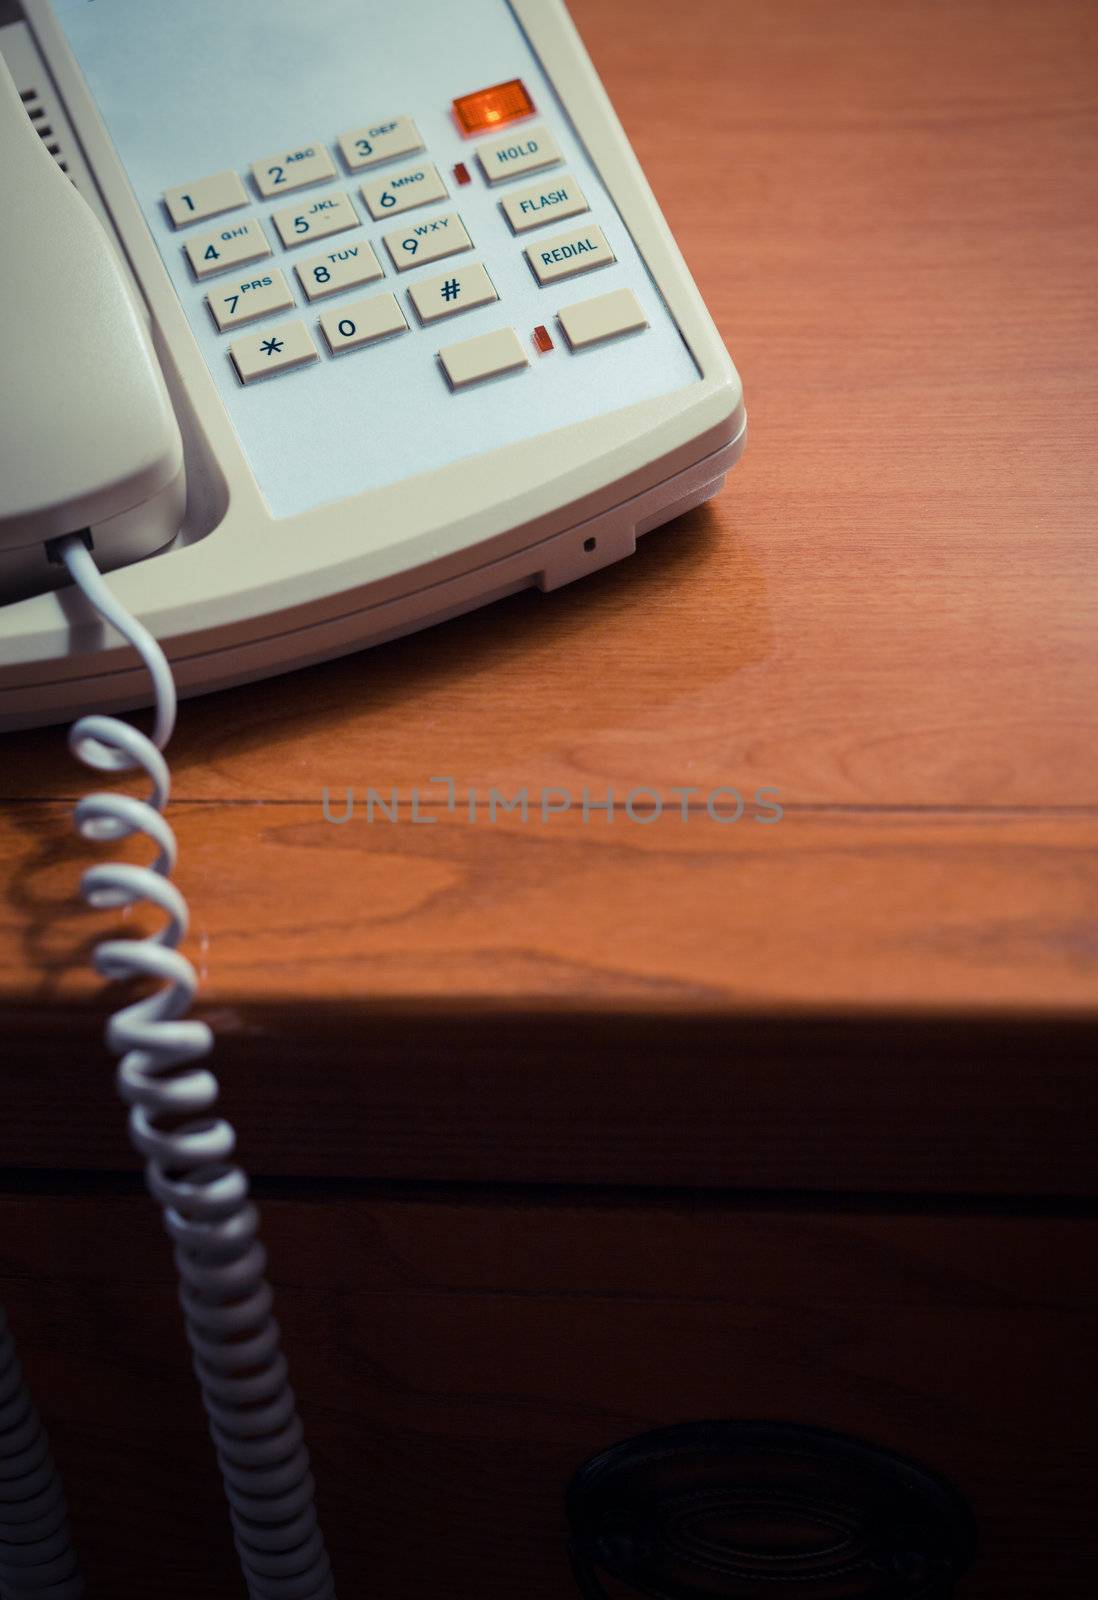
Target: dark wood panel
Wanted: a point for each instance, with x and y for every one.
(943, 1106)
(457, 1359)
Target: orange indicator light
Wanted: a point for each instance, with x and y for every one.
(491, 108)
(543, 340)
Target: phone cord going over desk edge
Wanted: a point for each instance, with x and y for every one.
(37, 1561)
(188, 1147)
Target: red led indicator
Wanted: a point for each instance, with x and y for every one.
(461, 173)
(543, 340)
(491, 108)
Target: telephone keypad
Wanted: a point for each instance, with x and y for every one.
(423, 242)
(403, 191)
(461, 289)
(242, 300)
(419, 242)
(340, 269)
(230, 246)
(292, 169)
(262, 82)
(315, 219)
(363, 322)
(206, 197)
(382, 141)
(275, 349)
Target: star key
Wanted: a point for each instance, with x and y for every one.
(279, 350)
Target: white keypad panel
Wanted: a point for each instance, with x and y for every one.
(396, 227)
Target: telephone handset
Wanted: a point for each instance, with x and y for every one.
(321, 323)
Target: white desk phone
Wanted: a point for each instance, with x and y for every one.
(320, 322)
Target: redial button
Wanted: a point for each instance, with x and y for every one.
(567, 254)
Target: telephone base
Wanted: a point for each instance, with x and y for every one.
(35, 694)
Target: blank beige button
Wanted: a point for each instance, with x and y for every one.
(339, 269)
(592, 321)
(229, 247)
(277, 349)
(379, 141)
(315, 219)
(525, 151)
(490, 356)
(190, 202)
(292, 169)
(403, 191)
(451, 292)
(423, 242)
(565, 254)
(362, 322)
(245, 299)
(549, 201)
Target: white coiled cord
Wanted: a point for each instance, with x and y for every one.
(36, 1555)
(188, 1149)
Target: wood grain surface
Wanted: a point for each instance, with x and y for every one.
(889, 615)
(567, 1129)
(457, 1360)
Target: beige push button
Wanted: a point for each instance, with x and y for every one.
(362, 322)
(247, 298)
(451, 292)
(549, 201)
(379, 141)
(490, 356)
(339, 269)
(592, 321)
(568, 253)
(228, 247)
(277, 349)
(422, 242)
(403, 191)
(190, 202)
(522, 151)
(292, 169)
(315, 219)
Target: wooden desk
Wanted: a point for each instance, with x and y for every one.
(569, 1129)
